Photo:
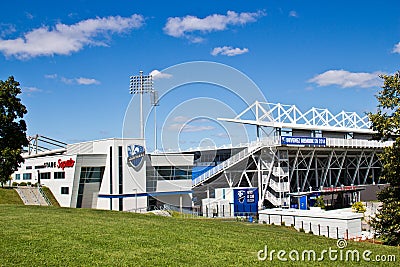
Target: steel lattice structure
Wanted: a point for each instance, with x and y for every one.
(289, 116)
(349, 157)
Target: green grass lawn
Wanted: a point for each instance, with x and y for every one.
(50, 196)
(51, 236)
(9, 196)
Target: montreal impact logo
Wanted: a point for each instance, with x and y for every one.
(241, 196)
(135, 155)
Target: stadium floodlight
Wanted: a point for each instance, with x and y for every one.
(140, 85)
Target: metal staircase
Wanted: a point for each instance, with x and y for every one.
(252, 148)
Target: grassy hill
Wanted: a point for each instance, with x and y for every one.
(51, 236)
(9, 196)
(50, 196)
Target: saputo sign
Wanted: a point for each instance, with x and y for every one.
(65, 164)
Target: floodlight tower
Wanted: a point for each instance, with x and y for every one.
(141, 84)
(154, 103)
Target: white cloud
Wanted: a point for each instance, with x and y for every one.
(347, 79)
(180, 119)
(6, 29)
(293, 14)
(86, 81)
(65, 39)
(189, 128)
(396, 48)
(31, 89)
(51, 76)
(222, 135)
(180, 26)
(67, 81)
(29, 15)
(228, 51)
(80, 81)
(160, 75)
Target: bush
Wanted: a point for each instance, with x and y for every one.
(319, 202)
(28, 183)
(358, 207)
(14, 184)
(22, 184)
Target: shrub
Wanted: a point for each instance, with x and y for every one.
(28, 183)
(22, 184)
(358, 207)
(14, 184)
(319, 202)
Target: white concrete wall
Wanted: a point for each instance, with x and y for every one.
(174, 200)
(342, 223)
(220, 207)
(172, 159)
(134, 180)
(174, 185)
(54, 184)
(224, 193)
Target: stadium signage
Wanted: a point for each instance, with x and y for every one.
(62, 164)
(135, 155)
(245, 201)
(50, 164)
(303, 141)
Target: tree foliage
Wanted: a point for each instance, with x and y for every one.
(386, 122)
(358, 207)
(12, 128)
(319, 202)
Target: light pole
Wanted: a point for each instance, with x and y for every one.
(141, 84)
(154, 103)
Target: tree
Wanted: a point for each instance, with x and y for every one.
(319, 202)
(358, 207)
(12, 128)
(386, 122)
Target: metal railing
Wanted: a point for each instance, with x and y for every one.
(275, 200)
(279, 187)
(45, 196)
(357, 143)
(250, 149)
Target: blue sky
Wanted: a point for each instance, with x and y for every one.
(74, 58)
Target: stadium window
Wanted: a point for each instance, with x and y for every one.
(59, 175)
(64, 190)
(44, 175)
(27, 176)
(17, 176)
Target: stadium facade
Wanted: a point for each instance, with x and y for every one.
(296, 156)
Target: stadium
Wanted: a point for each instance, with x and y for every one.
(305, 154)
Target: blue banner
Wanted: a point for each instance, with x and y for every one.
(303, 203)
(303, 140)
(245, 201)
